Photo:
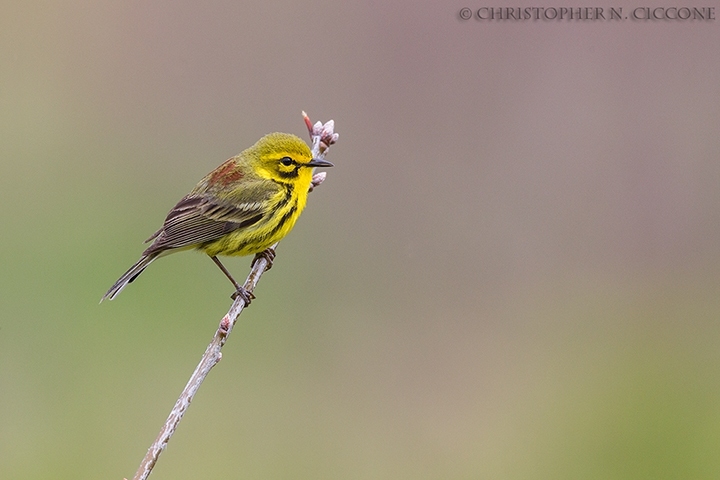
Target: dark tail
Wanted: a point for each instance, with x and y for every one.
(129, 276)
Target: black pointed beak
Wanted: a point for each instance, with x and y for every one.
(316, 162)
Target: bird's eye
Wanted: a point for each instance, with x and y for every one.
(287, 161)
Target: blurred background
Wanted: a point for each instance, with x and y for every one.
(512, 271)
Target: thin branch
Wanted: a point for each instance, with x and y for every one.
(322, 137)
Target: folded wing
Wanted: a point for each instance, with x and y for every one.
(199, 219)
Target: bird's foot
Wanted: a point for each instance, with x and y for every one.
(244, 295)
(269, 256)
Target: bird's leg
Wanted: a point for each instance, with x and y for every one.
(240, 291)
(268, 254)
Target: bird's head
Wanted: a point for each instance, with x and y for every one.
(285, 158)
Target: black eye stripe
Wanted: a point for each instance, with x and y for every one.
(291, 174)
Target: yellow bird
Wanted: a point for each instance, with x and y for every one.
(243, 207)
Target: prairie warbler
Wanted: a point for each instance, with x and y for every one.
(243, 207)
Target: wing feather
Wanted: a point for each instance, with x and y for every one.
(197, 219)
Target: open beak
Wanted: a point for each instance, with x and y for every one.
(316, 162)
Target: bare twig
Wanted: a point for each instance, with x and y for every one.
(322, 137)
